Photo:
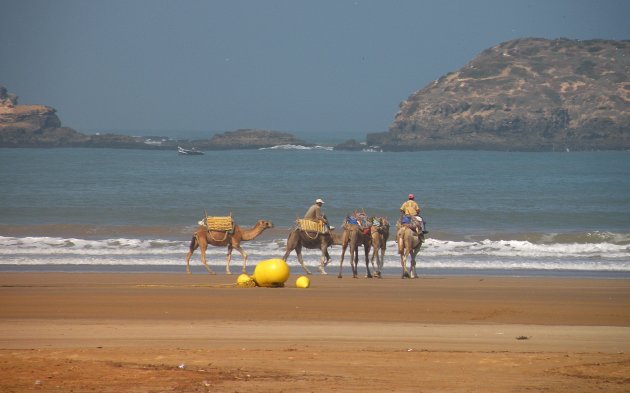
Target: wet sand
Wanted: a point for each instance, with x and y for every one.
(62, 332)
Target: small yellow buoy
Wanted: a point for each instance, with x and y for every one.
(245, 281)
(302, 282)
(271, 273)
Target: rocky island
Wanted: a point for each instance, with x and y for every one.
(248, 139)
(527, 94)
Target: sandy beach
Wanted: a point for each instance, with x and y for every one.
(102, 332)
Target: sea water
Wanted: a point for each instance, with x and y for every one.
(505, 213)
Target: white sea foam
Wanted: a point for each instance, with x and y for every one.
(296, 147)
(442, 254)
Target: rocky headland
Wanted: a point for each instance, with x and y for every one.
(527, 94)
(39, 126)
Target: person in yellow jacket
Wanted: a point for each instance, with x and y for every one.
(410, 208)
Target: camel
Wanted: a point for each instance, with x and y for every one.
(380, 235)
(409, 243)
(299, 238)
(204, 237)
(353, 237)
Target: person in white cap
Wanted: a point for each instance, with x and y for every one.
(315, 213)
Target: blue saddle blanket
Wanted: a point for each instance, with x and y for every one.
(352, 220)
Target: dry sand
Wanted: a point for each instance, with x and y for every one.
(76, 332)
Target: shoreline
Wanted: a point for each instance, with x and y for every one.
(175, 332)
(332, 270)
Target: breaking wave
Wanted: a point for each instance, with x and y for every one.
(505, 255)
(297, 147)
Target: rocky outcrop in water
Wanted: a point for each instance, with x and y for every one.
(525, 94)
(39, 126)
(249, 139)
(31, 125)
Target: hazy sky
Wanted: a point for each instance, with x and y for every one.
(307, 67)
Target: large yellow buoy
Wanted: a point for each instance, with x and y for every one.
(271, 273)
(302, 282)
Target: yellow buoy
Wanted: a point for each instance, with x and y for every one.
(245, 281)
(271, 273)
(243, 278)
(302, 282)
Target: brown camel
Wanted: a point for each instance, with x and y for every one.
(380, 235)
(204, 237)
(353, 237)
(299, 238)
(409, 243)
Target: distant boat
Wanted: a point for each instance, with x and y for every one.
(189, 152)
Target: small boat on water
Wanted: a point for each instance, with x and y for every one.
(189, 152)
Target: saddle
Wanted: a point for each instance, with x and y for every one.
(218, 223)
(307, 225)
(359, 219)
(409, 222)
(377, 224)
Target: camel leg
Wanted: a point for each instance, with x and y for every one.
(380, 255)
(327, 256)
(228, 259)
(374, 256)
(286, 254)
(403, 249)
(188, 255)
(367, 260)
(412, 269)
(403, 262)
(202, 248)
(353, 254)
(298, 251)
(244, 255)
(343, 252)
(192, 248)
(323, 259)
(381, 259)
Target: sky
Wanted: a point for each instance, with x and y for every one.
(317, 68)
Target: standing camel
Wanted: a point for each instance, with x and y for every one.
(353, 237)
(380, 235)
(409, 243)
(299, 238)
(204, 237)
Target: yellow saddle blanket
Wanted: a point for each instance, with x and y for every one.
(310, 225)
(219, 223)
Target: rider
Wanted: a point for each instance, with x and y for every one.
(315, 213)
(410, 208)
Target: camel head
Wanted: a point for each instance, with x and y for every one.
(264, 224)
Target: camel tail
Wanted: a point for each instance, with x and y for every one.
(401, 245)
(194, 243)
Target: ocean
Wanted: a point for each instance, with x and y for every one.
(488, 213)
